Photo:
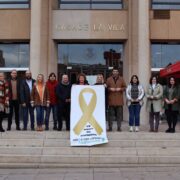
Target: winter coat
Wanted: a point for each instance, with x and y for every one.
(157, 92)
(115, 98)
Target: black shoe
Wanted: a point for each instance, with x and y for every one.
(110, 129)
(172, 130)
(18, 128)
(54, 128)
(2, 130)
(46, 128)
(8, 129)
(24, 129)
(119, 129)
(32, 129)
(59, 129)
(168, 130)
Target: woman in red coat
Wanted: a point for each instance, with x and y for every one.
(4, 99)
(51, 85)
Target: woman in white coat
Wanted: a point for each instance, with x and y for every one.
(134, 95)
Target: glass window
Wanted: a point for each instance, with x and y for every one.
(12, 4)
(90, 59)
(14, 55)
(164, 54)
(166, 4)
(90, 4)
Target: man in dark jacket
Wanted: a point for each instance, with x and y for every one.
(63, 92)
(25, 96)
(14, 91)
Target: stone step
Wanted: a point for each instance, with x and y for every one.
(89, 151)
(110, 135)
(93, 161)
(66, 143)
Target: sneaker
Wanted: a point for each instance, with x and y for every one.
(131, 129)
(136, 129)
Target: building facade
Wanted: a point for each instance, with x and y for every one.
(90, 36)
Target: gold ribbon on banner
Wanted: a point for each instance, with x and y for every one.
(87, 112)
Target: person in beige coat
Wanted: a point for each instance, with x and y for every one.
(154, 95)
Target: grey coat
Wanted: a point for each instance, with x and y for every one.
(157, 102)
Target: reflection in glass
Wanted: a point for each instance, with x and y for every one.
(10, 4)
(164, 54)
(90, 59)
(14, 55)
(90, 4)
(165, 4)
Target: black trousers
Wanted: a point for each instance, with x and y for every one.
(171, 117)
(64, 111)
(14, 107)
(2, 115)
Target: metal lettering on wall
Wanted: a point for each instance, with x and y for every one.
(94, 27)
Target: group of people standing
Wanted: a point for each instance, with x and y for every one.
(56, 97)
(37, 94)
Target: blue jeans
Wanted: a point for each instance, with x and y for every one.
(25, 111)
(40, 115)
(134, 114)
(54, 112)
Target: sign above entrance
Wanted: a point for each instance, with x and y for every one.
(76, 24)
(87, 27)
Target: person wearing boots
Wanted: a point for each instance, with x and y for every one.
(4, 99)
(171, 98)
(154, 96)
(115, 86)
(14, 90)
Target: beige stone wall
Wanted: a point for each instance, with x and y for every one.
(165, 29)
(14, 24)
(90, 25)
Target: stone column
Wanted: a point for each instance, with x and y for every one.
(53, 54)
(144, 65)
(137, 47)
(39, 37)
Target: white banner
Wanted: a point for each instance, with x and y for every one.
(88, 122)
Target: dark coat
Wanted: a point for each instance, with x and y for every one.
(176, 95)
(25, 94)
(63, 92)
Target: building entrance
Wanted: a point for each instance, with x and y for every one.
(90, 59)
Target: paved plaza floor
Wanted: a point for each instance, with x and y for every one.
(127, 173)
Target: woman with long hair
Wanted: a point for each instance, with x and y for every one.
(134, 95)
(171, 98)
(154, 95)
(81, 80)
(51, 85)
(40, 99)
(4, 99)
